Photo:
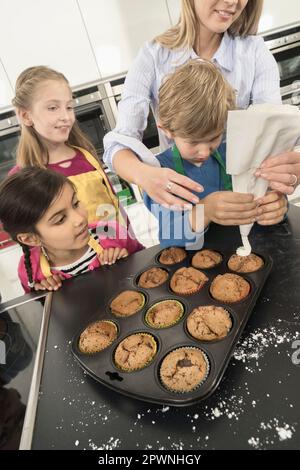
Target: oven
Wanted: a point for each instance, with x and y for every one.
(284, 43)
(113, 90)
(9, 138)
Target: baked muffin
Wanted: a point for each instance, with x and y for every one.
(164, 314)
(127, 303)
(206, 259)
(152, 278)
(184, 369)
(135, 352)
(172, 255)
(229, 288)
(245, 264)
(97, 336)
(187, 281)
(209, 322)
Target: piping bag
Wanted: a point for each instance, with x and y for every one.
(254, 134)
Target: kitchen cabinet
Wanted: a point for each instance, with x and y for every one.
(118, 28)
(275, 14)
(174, 10)
(6, 89)
(46, 33)
(144, 224)
(10, 286)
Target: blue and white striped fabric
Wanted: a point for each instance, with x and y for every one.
(246, 63)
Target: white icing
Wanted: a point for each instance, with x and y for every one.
(244, 250)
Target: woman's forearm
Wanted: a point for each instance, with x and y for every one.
(128, 166)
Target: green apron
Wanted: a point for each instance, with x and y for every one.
(226, 179)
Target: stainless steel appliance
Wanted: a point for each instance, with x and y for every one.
(113, 91)
(284, 43)
(9, 137)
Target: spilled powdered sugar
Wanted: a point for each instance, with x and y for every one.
(254, 346)
(276, 432)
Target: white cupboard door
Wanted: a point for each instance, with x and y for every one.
(174, 10)
(52, 33)
(6, 89)
(118, 28)
(277, 13)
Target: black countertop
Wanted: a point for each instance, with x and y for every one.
(256, 405)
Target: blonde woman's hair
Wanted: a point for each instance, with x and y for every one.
(184, 33)
(31, 150)
(194, 101)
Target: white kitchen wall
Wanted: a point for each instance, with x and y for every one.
(118, 28)
(35, 32)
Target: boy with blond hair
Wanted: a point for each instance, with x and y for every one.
(193, 105)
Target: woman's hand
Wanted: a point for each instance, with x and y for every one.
(111, 255)
(163, 185)
(272, 208)
(229, 208)
(50, 283)
(281, 171)
(167, 187)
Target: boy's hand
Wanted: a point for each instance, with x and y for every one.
(230, 208)
(272, 208)
(111, 255)
(50, 283)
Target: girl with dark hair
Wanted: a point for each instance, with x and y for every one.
(40, 209)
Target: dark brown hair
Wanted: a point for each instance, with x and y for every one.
(24, 199)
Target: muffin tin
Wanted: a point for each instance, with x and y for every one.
(145, 383)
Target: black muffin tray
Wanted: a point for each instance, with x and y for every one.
(145, 384)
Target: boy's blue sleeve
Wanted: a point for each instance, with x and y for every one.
(174, 226)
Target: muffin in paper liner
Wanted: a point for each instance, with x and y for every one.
(178, 371)
(97, 336)
(209, 323)
(121, 305)
(172, 255)
(206, 259)
(245, 264)
(229, 288)
(166, 316)
(187, 281)
(135, 352)
(153, 277)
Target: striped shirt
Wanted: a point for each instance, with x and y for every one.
(246, 63)
(81, 265)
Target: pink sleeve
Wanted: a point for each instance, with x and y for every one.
(14, 170)
(23, 275)
(112, 234)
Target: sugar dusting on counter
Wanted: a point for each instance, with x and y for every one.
(276, 432)
(254, 345)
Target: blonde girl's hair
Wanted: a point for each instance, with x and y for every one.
(184, 33)
(31, 150)
(194, 101)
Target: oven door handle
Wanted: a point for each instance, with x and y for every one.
(286, 48)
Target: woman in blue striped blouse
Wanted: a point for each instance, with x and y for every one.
(222, 31)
